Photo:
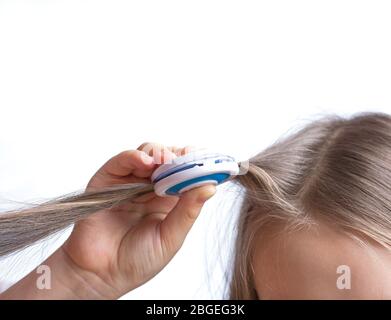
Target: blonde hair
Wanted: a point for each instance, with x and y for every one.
(335, 169)
(22, 228)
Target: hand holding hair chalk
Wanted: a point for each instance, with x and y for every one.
(112, 248)
(193, 170)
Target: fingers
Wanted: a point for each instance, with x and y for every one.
(133, 162)
(174, 228)
(140, 163)
(160, 153)
(163, 154)
(182, 151)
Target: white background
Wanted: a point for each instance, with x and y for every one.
(83, 80)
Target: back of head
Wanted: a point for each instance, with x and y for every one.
(334, 170)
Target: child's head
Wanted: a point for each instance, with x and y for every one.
(318, 206)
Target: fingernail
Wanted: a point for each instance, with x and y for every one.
(206, 192)
(146, 159)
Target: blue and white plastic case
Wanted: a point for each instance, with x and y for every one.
(193, 170)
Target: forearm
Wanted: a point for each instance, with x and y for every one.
(64, 281)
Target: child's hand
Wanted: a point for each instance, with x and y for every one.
(117, 250)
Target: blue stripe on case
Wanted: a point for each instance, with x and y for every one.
(218, 177)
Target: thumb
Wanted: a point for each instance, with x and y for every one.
(178, 222)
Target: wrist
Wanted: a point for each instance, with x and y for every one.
(80, 283)
(65, 280)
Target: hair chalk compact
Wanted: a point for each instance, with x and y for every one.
(193, 170)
